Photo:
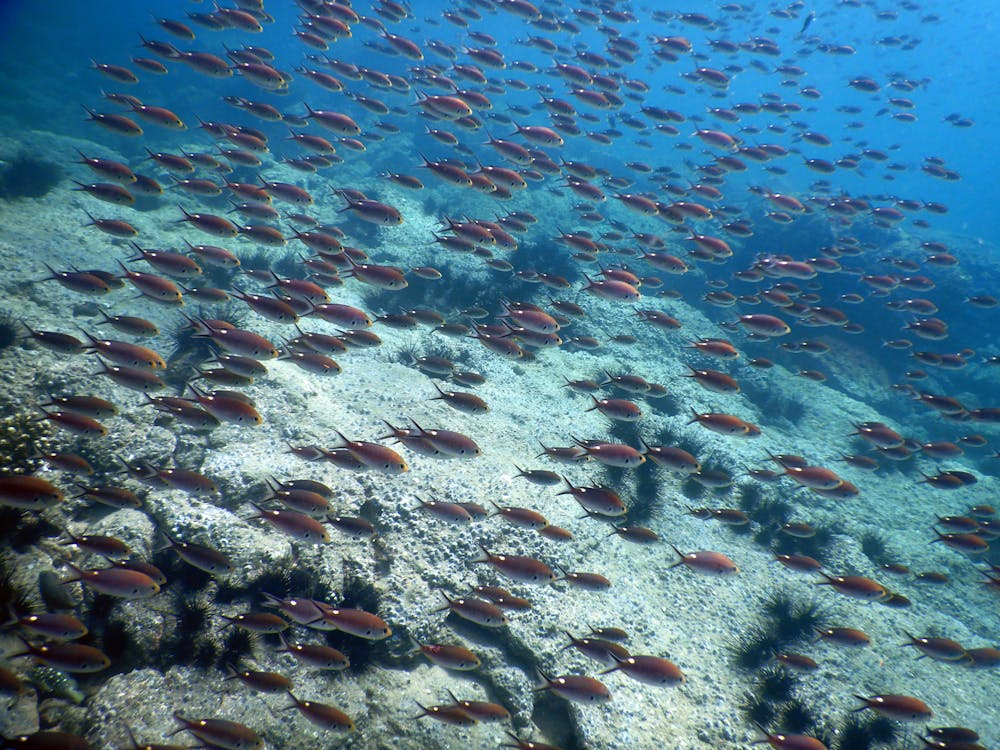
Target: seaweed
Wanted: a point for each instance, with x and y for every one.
(27, 176)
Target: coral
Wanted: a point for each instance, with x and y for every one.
(22, 437)
(26, 176)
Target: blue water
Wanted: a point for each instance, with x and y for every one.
(46, 60)
(944, 53)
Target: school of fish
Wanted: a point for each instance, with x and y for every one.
(639, 228)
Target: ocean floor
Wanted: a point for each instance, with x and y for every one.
(669, 611)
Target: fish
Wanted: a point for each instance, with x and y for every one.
(518, 567)
(323, 715)
(899, 707)
(356, 622)
(621, 249)
(223, 733)
(203, 557)
(475, 610)
(263, 682)
(75, 658)
(374, 456)
(450, 657)
(709, 563)
(299, 526)
(119, 582)
(29, 492)
(578, 688)
(447, 714)
(783, 741)
(48, 740)
(53, 625)
(315, 655)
